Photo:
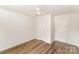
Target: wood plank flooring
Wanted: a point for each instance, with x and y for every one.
(41, 47)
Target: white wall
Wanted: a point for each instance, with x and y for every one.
(67, 28)
(73, 29)
(43, 28)
(61, 23)
(14, 29)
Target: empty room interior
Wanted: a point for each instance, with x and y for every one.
(39, 29)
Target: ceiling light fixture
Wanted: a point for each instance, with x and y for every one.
(38, 11)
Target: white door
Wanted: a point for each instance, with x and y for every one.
(43, 28)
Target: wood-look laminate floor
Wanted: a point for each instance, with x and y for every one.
(41, 47)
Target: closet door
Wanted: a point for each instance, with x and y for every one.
(43, 28)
